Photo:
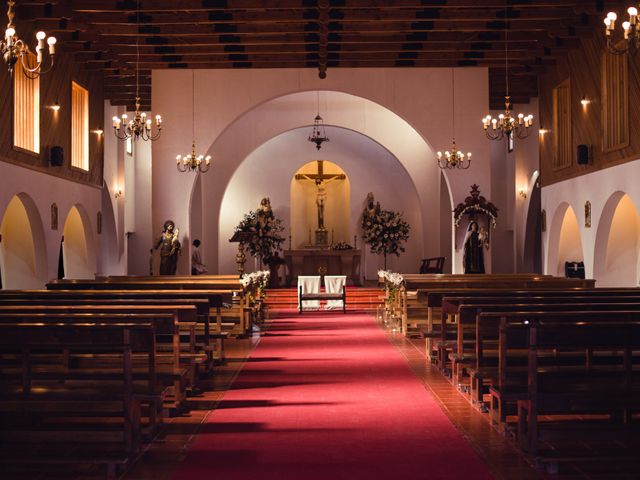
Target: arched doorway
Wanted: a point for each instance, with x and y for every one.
(532, 255)
(23, 258)
(616, 246)
(565, 243)
(268, 170)
(78, 248)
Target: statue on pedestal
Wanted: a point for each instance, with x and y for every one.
(169, 248)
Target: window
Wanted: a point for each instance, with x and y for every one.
(79, 127)
(615, 102)
(562, 140)
(26, 109)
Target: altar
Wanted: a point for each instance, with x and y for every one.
(323, 262)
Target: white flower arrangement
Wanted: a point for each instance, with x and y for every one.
(384, 231)
(259, 279)
(392, 278)
(392, 283)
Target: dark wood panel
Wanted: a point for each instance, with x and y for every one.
(55, 127)
(583, 67)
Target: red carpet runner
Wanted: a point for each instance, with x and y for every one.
(328, 397)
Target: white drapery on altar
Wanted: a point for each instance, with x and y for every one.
(334, 284)
(309, 284)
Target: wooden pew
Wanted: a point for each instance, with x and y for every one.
(239, 310)
(170, 375)
(209, 304)
(603, 380)
(508, 382)
(476, 354)
(87, 420)
(416, 286)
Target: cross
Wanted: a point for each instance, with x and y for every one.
(320, 177)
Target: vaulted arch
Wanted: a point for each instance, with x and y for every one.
(616, 246)
(23, 254)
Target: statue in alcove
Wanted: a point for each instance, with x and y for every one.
(473, 255)
(169, 248)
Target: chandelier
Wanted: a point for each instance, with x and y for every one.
(318, 135)
(13, 48)
(454, 158)
(631, 32)
(140, 125)
(193, 162)
(506, 126)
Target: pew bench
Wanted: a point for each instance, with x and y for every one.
(322, 296)
(165, 369)
(594, 386)
(81, 419)
(509, 384)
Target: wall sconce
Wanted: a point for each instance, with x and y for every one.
(542, 131)
(522, 192)
(118, 192)
(98, 132)
(585, 101)
(55, 107)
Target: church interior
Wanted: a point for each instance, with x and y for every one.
(319, 239)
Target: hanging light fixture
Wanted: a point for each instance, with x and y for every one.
(454, 158)
(318, 135)
(506, 126)
(193, 162)
(630, 29)
(14, 49)
(139, 126)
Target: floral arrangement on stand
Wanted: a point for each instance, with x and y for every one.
(341, 246)
(384, 230)
(259, 280)
(392, 283)
(265, 231)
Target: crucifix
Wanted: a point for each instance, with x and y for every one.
(320, 180)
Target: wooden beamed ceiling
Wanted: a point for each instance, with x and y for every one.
(320, 34)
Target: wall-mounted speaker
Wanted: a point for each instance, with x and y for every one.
(583, 154)
(57, 156)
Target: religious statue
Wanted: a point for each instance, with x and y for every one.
(320, 180)
(169, 248)
(474, 241)
(371, 209)
(264, 213)
(320, 199)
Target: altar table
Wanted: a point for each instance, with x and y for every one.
(323, 262)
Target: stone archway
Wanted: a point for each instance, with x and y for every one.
(23, 256)
(79, 255)
(565, 241)
(616, 246)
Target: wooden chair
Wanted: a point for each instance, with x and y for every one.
(432, 265)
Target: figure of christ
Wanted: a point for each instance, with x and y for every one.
(320, 180)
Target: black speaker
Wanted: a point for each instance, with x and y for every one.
(57, 156)
(583, 154)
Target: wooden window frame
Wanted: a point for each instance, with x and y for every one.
(86, 132)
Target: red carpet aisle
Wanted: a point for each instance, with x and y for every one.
(327, 397)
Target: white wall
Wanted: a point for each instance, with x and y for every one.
(407, 111)
(43, 190)
(603, 189)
